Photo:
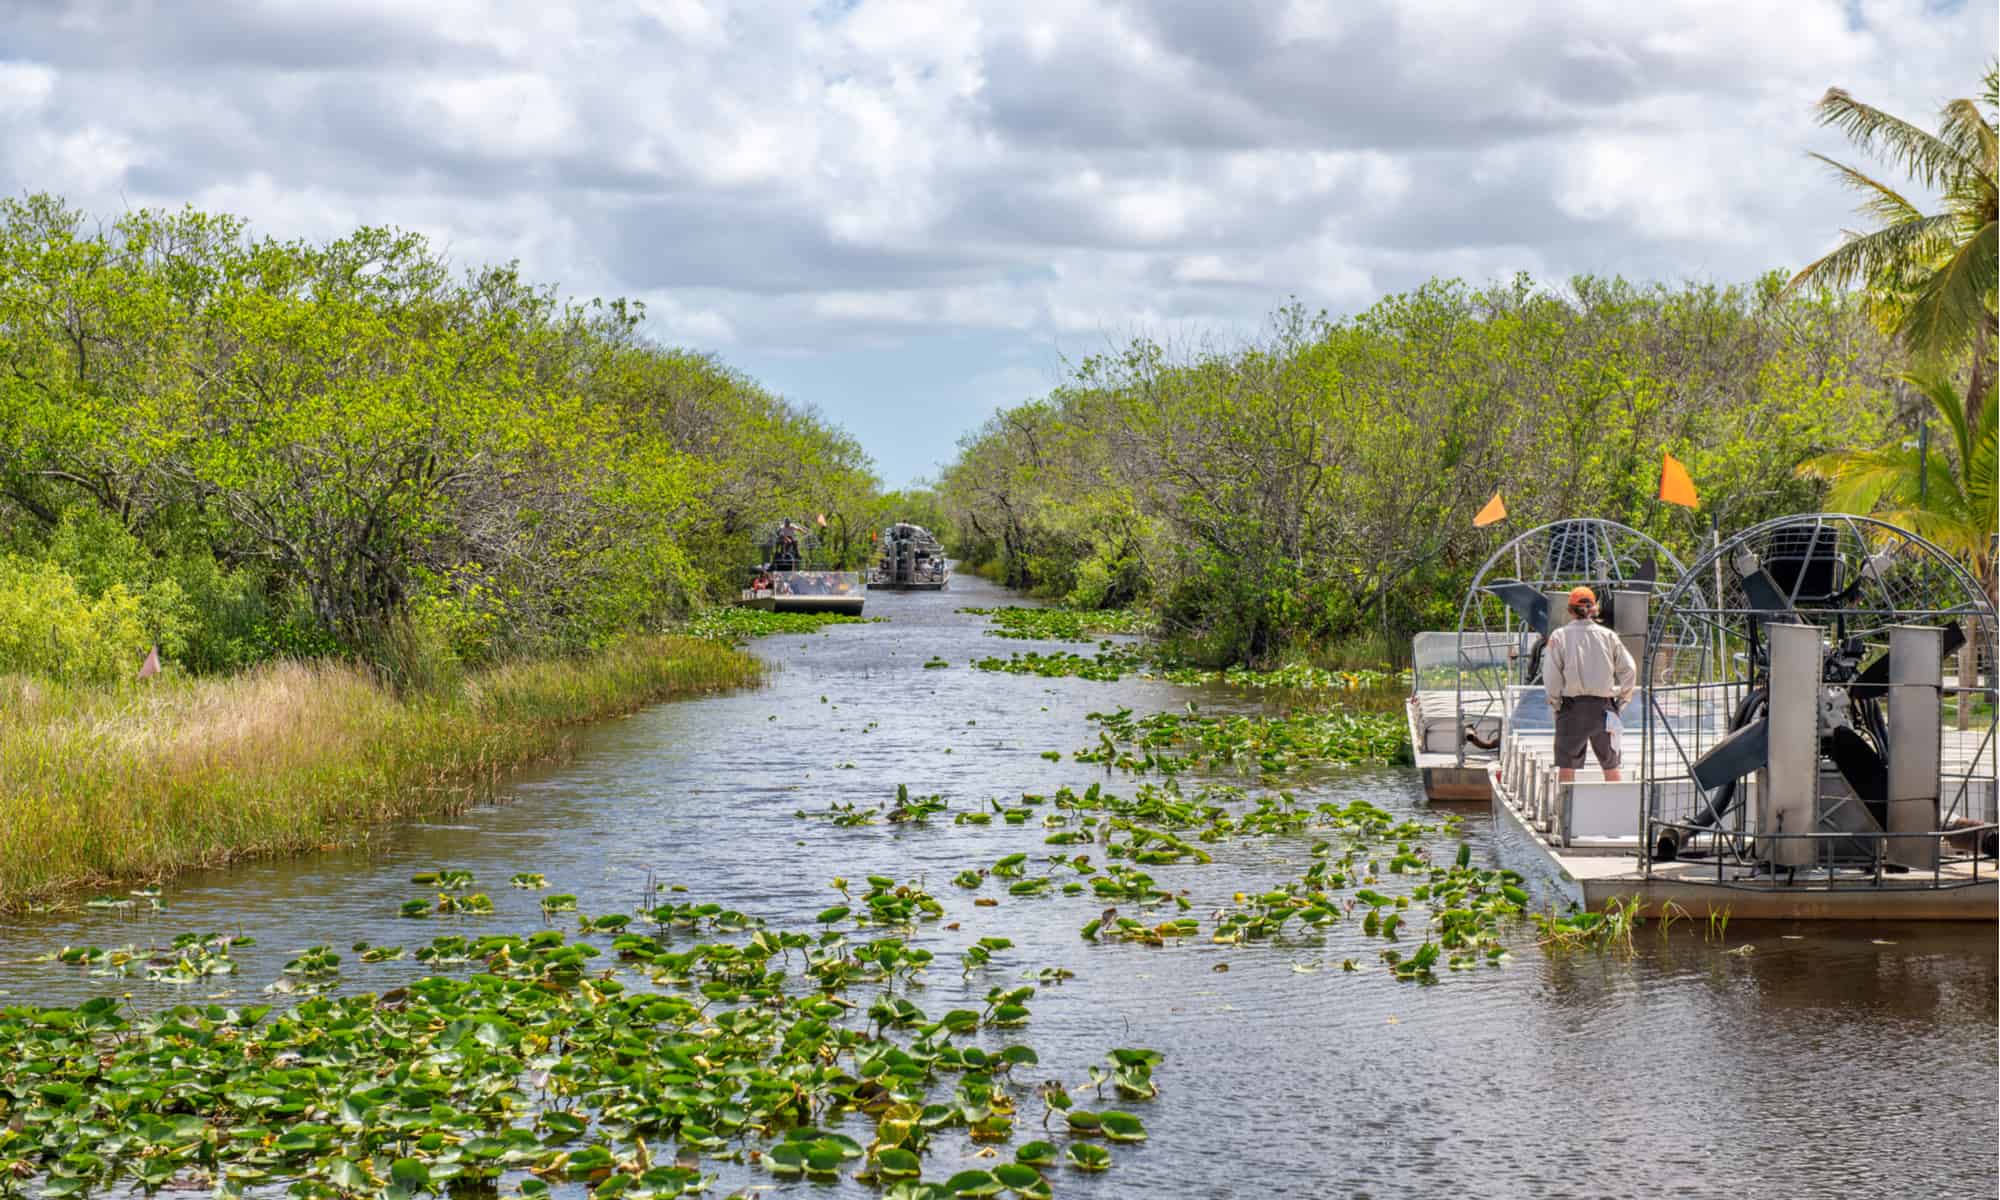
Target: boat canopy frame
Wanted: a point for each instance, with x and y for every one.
(1497, 647)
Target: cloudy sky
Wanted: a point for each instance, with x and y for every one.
(909, 212)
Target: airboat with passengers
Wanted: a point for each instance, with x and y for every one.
(1474, 687)
(910, 559)
(795, 575)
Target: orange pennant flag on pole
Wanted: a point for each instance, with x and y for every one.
(151, 666)
(1675, 486)
(822, 520)
(1495, 510)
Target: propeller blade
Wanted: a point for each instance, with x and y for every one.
(1741, 752)
(1644, 577)
(1860, 766)
(1873, 681)
(1532, 606)
(1764, 593)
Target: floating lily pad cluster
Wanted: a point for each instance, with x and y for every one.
(1113, 661)
(700, 1035)
(1108, 665)
(1464, 907)
(1061, 624)
(1294, 676)
(905, 808)
(192, 958)
(1174, 742)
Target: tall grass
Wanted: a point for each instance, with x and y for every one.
(100, 785)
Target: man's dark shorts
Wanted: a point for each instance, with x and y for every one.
(1580, 723)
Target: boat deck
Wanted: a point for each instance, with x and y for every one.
(1434, 734)
(1582, 838)
(1593, 876)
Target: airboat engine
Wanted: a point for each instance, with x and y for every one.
(1798, 724)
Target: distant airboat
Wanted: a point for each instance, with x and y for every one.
(911, 559)
(794, 576)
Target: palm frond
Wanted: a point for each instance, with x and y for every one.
(1883, 202)
(1966, 130)
(1865, 256)
(1954, 533)
(1860, 480)
(1981, 468)
(1952, 303)
(1931, 160)
(1950, 405)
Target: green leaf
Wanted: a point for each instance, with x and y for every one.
(1039, 1154)
(410, 1173)
(973, 1183)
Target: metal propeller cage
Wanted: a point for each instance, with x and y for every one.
(1783, 632)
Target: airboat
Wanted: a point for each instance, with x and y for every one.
(912, 560)
(1804, 742)
(794, 576)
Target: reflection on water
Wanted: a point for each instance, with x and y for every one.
(1852, 1061)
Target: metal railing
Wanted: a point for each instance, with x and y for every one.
(1742, 860)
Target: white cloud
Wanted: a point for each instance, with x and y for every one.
(24, 87)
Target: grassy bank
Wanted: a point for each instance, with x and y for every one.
(134, 782)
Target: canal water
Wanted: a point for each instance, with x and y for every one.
(1797, 1060)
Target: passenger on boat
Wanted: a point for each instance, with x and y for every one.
(1589, 676)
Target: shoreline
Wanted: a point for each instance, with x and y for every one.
(115, 787)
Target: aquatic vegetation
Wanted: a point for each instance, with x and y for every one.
(1106, 666)
(904, 808)
(444, 879)
(1172, 742)
(935, 663)
(1113, 661)
(543, 1067)
(917, 808)
(981, 953)
(1610, 929)
(1061, 624)
(1293, 676)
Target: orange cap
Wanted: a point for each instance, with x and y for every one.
(1581, 595)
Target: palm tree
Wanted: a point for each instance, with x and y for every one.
(1930, 276)
(1951, 500)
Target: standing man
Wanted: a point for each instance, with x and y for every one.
(1589, 675)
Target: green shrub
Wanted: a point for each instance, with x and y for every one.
(50, 626)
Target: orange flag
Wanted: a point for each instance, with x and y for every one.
(151, 666)
(1675, 486)
(1495, 510)
(822, 520)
